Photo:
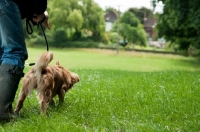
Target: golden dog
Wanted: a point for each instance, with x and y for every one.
(48, 80)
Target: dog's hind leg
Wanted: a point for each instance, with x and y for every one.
(22, 96)
(45, 100)
(21, 99)
(27, 86)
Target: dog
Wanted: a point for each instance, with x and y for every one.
(48, 80)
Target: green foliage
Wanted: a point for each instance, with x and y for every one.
(60, 36)
(140, 13)
(80, 44)
(110, 9)
(179, 23)
(105, 38)
(132, 30)
(71, 20)
(75, 19)
(78, 16)
(113, 37)
(59, 40)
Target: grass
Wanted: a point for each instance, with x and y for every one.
(126, 61)
(120, 93)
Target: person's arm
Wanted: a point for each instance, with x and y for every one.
(38, 12)
(43, 18)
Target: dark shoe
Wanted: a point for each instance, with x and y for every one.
(10, 76)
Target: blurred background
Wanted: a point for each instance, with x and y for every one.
(164, 26)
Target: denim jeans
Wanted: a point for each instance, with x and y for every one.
(12, 42)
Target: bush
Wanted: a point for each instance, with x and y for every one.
(113, 37)
(77, 44)
(60, 36)
(59, 40)
(105, 38)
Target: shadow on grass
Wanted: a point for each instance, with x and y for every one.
(194, 63)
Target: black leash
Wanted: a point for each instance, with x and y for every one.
(29, 30)
(44, 36)
(28, 26)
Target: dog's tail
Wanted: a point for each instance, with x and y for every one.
(42, 62)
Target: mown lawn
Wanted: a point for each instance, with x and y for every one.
(120, 93)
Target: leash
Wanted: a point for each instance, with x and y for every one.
(44, 36)
(29, 30)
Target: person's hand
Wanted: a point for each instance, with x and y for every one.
(46, 23)
(38, 18)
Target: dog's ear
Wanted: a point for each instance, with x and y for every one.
(57, 63)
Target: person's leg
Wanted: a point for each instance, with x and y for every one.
(13, 55)
(12, 36)
(10, 76)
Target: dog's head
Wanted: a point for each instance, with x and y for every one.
(71, 80)
(74, 79)
(70, 77)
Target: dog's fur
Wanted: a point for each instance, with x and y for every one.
(48, 80)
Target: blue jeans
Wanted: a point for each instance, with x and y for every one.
(12, 42)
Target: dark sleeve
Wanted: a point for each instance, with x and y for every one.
(39, 7)
(30, 7)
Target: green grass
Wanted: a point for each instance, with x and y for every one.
(120, 93)
(126, 61)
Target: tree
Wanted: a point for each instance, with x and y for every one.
(75, 20)
(110, 9)
(179, 22)
(59, 11)
(131, 29)
(141, 13)
(94, 19)
(71, 16)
